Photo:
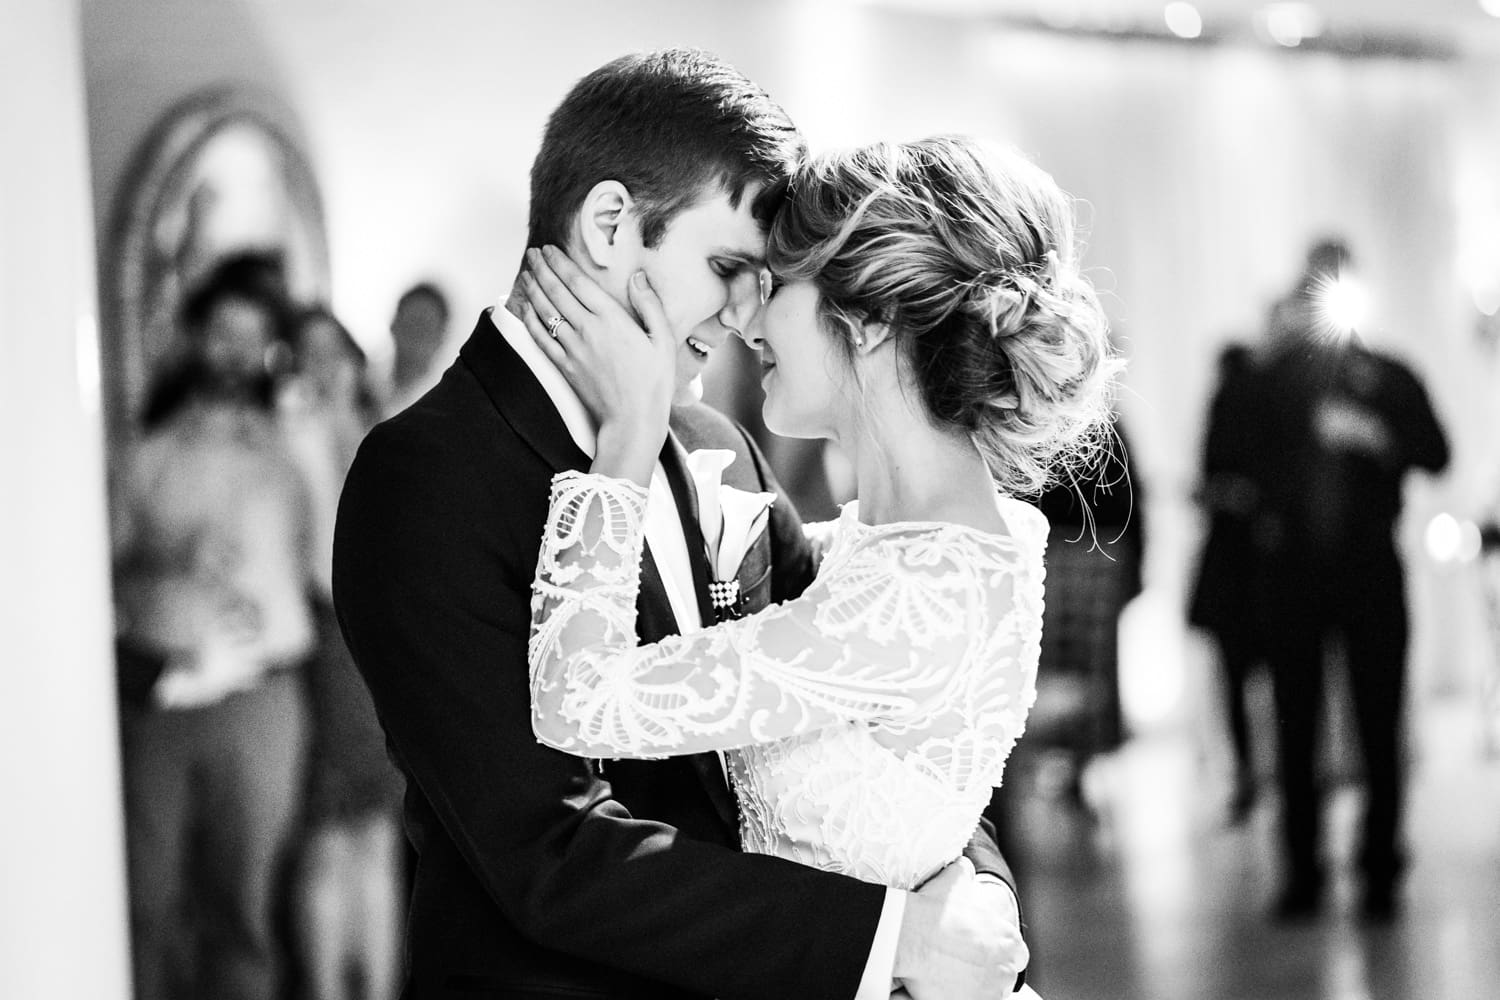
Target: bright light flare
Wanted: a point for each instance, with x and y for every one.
(1490, 7)
(1342, 304)
(1153, 662)
(1450, 540)
(1487, 297)
(1289, 23)
(1184, 21)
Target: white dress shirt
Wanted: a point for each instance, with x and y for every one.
(665, 538)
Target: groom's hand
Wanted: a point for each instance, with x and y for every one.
(960, 938)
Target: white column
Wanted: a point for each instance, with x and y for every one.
(63, 923)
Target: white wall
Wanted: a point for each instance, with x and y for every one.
(62, 886)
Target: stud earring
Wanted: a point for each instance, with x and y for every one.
(859, 340)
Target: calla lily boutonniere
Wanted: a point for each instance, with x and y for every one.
(732, 518)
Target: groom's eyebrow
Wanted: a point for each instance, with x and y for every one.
(743, 258)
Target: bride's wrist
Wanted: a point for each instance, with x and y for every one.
(628, 450)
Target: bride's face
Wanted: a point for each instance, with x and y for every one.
(803, 371)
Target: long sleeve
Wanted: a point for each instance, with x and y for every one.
(1424, 445)
(889, 633)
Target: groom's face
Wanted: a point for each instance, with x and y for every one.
(706, 271)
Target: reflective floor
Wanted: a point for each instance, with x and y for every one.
(1149, 893)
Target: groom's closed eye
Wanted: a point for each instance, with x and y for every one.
(727, 262)
(731, 269)
(741, 278)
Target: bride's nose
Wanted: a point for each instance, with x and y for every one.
(751, 333)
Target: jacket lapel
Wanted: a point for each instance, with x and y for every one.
(754, 573)
(525, 406)
(674, 463)
(709, 766)
(519, 397)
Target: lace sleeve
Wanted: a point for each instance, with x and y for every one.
(886, 634)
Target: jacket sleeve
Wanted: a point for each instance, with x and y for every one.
(431, 577)
(1424, 445)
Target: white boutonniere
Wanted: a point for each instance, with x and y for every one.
(732, 518)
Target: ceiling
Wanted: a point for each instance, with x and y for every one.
(1461, 24)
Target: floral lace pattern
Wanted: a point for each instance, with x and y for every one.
(864, 723)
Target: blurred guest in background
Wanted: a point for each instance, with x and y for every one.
(1094, 554)
(418, 329)
(1338, 426)
(1489, 685)
(1224, 601)
(210, 534)
(348, 886)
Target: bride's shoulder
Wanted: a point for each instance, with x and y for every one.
(1026, 521)
(1018, 541)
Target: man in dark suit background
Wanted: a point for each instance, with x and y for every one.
(1338, 427)
(539, 874)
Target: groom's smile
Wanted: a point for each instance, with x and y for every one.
(700, 348)
(706, 271)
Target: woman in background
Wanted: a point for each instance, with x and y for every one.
(348, 887)
(210, 525)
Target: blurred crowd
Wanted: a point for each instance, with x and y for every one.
(1310, 438)
(262, 812)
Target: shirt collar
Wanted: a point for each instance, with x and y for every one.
(580, 425)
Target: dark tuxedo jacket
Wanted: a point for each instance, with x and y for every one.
(540, 874)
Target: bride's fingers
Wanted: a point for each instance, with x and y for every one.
(563, 301)
(538, 330)
(585, 289)
(539, 300)
(649, 306)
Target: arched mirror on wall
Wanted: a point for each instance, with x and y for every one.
(222, 171)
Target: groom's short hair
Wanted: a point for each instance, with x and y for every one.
(666, 125)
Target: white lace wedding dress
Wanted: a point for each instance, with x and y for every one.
(863, 724)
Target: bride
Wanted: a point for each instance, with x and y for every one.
(924, 310)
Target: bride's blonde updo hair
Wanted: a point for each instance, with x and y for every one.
(966, 251)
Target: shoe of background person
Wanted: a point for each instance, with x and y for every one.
(1242, 799)
(1379, 904)
(1301, 900)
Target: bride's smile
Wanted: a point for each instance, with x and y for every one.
(802, 366)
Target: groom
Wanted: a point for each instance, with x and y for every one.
(540, 874)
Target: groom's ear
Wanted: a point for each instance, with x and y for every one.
(606, 221)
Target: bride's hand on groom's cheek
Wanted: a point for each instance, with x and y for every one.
(624, 375)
